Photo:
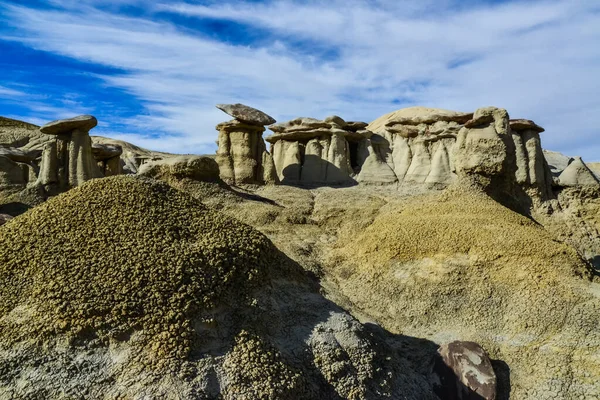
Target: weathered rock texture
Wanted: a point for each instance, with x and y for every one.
(416, 144)
(465, 372)
(17, 168)
(172, 299)
(198, 168)
(247, 114)
(577, 173)
(309, 151)
(434, 146)
(132, 156)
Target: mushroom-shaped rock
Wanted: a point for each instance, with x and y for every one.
(525, 125)
(62, 126)
(465, 372)
(246, 114)
(67, 159)
(103, 152)
(242, 155)
(577, 174)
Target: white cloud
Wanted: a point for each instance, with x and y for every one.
(538, 59)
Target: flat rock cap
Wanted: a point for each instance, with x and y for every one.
(82, 122)
(246, 114)
(106, 151)
(525, 125)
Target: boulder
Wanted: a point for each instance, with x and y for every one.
(465, 372)
(108, 157)
(199, 168)
(577, 174)
(246, 114)
(66, 126)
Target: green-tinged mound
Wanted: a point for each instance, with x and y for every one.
(127, 288)
(122, 254)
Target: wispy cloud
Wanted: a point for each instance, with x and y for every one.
(358, 59)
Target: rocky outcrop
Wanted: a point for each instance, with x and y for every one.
(108, 158)
(577, 173)
(17, 167)
(417, 144)
(199, 168)
(557, 162)
(465, 372)
(311, 151)
(67, 160)
(241, 155)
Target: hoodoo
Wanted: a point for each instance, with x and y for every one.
(242, 155)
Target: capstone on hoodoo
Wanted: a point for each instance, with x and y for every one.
(242, 155)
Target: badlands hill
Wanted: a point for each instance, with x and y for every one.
(345, 262)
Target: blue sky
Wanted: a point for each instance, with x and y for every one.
(152, 71)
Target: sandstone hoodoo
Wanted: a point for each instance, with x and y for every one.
(242, 155)
(416, 145)
(108, 158)
(307, 150)
(67, 160)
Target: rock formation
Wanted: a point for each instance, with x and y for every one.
(199, 168)
(241, 154)
(17, 167)
(465, 372)
(557, 162)
(307, 150)
(68, 161)
(172, 299)
(417, 144)
(108, 158)
(577, 173)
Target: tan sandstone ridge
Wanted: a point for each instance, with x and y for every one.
(421, 229)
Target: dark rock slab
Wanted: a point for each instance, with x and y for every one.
(465, 372)
(246, 114)
(525, 125)
(61, 126)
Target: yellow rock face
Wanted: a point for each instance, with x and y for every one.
(458, 265)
